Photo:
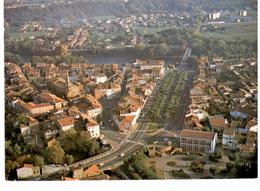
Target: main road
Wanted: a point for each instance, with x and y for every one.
(133, 142)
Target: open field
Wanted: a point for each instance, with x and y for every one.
(243, 31)
(17, 35)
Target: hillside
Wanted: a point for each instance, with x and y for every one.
(78, 10)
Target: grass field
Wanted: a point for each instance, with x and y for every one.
(18, 35)
(243, 31)
(150, 30)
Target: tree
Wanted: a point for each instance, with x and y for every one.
(229, 166)
(68, 159)
(68, 140)
(215, 156)
(22, 118)
(164, 49)
(213, 170)
(38, 160)
(36, 59)
(54, 154)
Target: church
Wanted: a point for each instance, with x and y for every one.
(63, 87)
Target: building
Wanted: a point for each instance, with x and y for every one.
(214, 16)
(95, 108)
(148, 65)
(217, 121)
(229, 139)
(32, 108)
(92, 171)
(77, 173)
(99, 78)
(66, 123)
(47, 97)
(243, 13)
(63, 87)
(93, 128)
(197, 141)
(28, 170)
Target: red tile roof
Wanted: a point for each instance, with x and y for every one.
(28, 166)
(66, 121)
(217, 121)
(91, 171)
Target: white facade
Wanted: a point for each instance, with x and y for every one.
(214, 16)
(94, 131)
(100, 79)
(93, 113)
(198, 141)
(66, 128)
(25, 130)
(50, 133)
(228, 139)
(24, 172)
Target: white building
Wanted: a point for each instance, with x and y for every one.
(243, 13)
(228, 138)
(100, 78)
(197, 141)
(28, 170)
(214, 16)
(93, 129)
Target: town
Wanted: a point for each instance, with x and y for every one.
(181, 105)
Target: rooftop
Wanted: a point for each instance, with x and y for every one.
(66, 121)
(193, 134)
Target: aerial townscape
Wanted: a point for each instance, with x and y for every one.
(130, 89)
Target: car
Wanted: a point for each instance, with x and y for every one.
(122, 154)
(101, 164)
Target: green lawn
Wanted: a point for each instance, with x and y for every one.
(243, 31)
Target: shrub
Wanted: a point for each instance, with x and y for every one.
(213, 170)
(229, 166)
(197, 166)
(215, 156)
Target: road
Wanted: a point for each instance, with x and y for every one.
(136, 140)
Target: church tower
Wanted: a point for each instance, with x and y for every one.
(68, 84)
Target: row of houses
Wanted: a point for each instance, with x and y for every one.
(140, 85)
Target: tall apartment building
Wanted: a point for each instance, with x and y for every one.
(197, 141)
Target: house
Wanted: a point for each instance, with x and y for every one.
(32, 108)
(237, 114)
(66, 123)
(25, 130)
(95, 107)
(99, 78)
(217, 121)
(92, 171)
(28, 170)
(229, 138)
(47, 97)
(50, 131)
(93, 128)
(250, 145)
(214, 15)
(77, 173)
(197, 141)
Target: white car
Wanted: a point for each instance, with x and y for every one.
(122, 154)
